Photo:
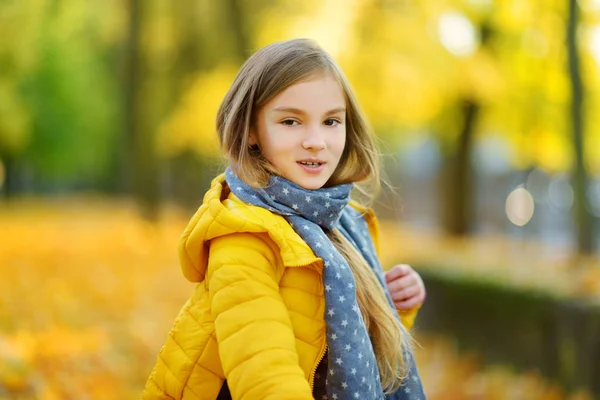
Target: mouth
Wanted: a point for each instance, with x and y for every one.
(312, 167)
(311, 164)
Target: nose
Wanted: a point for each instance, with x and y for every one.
(314, 139)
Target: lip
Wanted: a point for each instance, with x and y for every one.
(313, 160)
(312, 170)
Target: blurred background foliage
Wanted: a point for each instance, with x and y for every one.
(487, 111)
(121, 97)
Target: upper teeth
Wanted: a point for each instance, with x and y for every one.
(312, 164)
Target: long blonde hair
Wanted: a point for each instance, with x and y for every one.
(263, 76)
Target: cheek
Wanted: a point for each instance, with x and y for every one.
(278, 140)
(340, 143)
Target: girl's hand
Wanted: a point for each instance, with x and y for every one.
(405, 286)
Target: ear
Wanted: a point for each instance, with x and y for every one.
(252, 138)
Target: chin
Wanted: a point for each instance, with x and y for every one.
(311, 184)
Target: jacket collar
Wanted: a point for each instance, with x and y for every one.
(222, 213)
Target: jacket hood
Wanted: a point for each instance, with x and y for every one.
(222, 213)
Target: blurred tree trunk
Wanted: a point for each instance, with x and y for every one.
(8, 186)
(140, 115)
(457, 180)
(458, 192)
(583, 216)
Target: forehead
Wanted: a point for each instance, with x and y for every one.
(314, 94)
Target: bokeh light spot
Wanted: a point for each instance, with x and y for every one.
(457, 34)
(561, 193)
(520, 206)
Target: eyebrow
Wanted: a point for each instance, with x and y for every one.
(299, 111)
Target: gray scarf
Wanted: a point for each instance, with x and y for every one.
(352, 367)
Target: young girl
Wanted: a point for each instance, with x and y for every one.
(291, 301)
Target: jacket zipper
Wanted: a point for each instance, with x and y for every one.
(311, 378)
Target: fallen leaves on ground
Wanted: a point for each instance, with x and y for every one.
(89, 292)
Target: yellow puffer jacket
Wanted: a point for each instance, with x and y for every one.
(256, 279)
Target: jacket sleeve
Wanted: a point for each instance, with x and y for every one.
(252, 324)
(408, 317)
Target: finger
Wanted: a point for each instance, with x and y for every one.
(406, 293)
(402, 283)
(408, 304)
(397, 271)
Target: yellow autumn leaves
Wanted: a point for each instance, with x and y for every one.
(399, 58)
(89, 292)
(192, 125)
(87, 295)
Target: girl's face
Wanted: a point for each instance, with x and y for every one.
(302, 131)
